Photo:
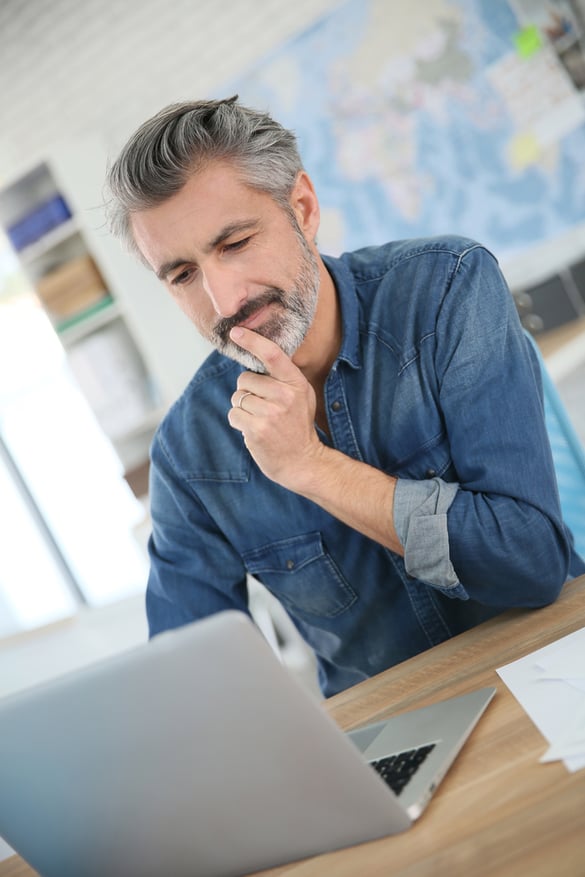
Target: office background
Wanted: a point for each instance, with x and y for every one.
(75, 70)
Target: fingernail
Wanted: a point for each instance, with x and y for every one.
(236, 332)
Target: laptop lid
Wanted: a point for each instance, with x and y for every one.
(194, 754)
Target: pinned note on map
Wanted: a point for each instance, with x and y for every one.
(524, 149)
(528, 41)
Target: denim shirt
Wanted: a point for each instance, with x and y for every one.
(435, 383)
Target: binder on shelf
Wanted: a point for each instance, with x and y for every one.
(71, 288)
(42, 219)
(85, 316)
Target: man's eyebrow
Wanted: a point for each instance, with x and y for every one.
(226, 232)
(168, 267)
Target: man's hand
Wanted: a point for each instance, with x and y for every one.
(275, 412)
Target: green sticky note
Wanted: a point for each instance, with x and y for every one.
(528, 41)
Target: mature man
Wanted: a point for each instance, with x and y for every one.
(368, 441)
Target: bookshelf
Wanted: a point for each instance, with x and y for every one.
(127, 344)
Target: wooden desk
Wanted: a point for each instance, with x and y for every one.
(498, 812)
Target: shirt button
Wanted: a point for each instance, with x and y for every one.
(336, 406)
(430, 473)
(290, 564)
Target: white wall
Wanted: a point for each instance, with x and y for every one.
(73, 67)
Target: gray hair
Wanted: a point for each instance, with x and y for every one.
(166, 150)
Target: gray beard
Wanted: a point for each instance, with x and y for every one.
(287, 328)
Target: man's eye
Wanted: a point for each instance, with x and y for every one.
(236, 245)
(181, 278)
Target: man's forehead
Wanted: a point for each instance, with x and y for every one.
(205, 215)
(213, 204)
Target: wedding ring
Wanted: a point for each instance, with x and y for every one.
(242, 397)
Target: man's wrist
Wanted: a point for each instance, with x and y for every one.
(315, 472)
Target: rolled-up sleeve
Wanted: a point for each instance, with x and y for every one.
(420, 520)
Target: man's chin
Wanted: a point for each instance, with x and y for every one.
(251, 363)
(287, 338)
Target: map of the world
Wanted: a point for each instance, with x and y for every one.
(432, 116)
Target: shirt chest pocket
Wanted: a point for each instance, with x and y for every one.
(431, 460)
(302, 575)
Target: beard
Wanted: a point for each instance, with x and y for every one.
(287, 327)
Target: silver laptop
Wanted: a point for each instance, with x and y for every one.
(199, 754)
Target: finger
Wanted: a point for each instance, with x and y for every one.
(263, 386)
(239, 396)
(276, 362)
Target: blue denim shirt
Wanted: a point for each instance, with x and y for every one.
(434, 383)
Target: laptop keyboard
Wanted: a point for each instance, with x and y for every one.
(397, 770)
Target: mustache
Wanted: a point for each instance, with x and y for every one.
(223, 327)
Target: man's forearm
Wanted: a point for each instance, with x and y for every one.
(354, 492)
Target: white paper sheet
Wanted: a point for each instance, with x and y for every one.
(550, 685)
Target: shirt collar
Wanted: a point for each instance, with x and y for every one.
(345, 285)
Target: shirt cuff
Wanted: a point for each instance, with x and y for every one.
(420, 520)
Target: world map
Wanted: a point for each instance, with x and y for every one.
(429, 117)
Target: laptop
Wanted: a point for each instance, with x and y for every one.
(198, 754)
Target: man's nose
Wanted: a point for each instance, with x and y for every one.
(225, 291)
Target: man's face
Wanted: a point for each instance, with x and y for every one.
(231, 256)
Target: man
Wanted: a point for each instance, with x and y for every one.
(368, 441)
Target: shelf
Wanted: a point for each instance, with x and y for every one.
(48, 242)
(77, 327)
(93, 294)
(555, 339)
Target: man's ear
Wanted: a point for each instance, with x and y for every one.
(305, 204)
